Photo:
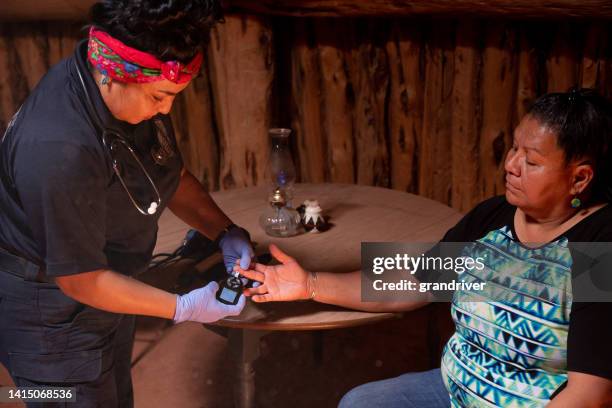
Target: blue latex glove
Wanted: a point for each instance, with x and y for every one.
(201, 305)
(236, 244)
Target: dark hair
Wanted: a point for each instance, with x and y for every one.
(169, 29)
(582, 121)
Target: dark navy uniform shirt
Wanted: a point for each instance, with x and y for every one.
(61, 205)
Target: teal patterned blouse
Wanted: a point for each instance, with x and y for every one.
(514, 347)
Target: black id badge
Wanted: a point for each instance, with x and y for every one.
(230, 290)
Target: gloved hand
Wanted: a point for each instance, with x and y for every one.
(200, 305)
(236, 244)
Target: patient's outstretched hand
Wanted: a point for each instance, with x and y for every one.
(287, 281)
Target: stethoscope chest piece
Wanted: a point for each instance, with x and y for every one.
(152, 208)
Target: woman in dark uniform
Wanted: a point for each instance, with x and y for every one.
(74, 228)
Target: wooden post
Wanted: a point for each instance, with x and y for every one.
(593, 59)
(498, 85)
(435, 153)
(26, 54)
(242, 71)
(192, 116)
(466, 116)
(526, 91)
(306, 78)
(369, 74)
(337, 106)
(32, 52)
(562, 65)
(13, 84)
(405, 116)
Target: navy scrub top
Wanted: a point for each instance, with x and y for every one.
(61, 206)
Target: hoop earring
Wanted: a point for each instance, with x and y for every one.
(575, 203)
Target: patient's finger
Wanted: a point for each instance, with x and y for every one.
(250, 274)
(262, 298)
(280, 255)
(260, 290)
(261, 267)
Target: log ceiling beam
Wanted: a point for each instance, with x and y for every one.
(33, 10)
(452, 8)
(23, 10)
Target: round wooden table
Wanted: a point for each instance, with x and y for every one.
(358, 214)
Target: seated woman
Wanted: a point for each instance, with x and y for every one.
(539, 349)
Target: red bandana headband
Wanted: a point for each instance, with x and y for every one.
(125, 64)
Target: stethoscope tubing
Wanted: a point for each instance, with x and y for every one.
(116, 168)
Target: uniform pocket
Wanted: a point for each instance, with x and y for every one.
(56, 308)
(75, 367)
(69, 324)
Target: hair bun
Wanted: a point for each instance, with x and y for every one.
(168, 29)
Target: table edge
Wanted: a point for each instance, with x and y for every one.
(272, 326)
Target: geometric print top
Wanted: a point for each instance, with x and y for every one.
(510, 346)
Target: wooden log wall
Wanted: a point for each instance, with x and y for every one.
(428, 105)
(419, 104)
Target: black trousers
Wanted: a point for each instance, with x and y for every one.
(49, 339)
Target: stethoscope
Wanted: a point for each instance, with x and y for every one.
(113, 141)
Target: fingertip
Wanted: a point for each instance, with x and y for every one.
(278, 254)
(245, 259)
(246, 274)
(262, 298)
(244, 264)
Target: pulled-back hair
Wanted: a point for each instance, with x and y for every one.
(582, 121)
(168, 29)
